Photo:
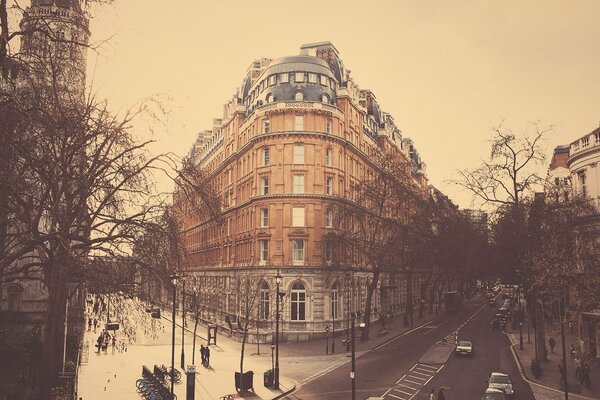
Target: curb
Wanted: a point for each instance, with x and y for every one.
(533, 382)
(284, 394)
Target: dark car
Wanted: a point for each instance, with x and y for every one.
(493, 394)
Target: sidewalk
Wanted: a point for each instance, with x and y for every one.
(113, 374)
(546, 386)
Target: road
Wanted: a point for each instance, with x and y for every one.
(389, 369)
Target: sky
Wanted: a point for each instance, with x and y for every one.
(447, 72)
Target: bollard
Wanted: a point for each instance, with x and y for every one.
(190, 389)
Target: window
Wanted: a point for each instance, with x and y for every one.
(270, 98)
(263, 250)
(264, 217)
(15, 297)
(325, 99)
(334, 302)
(298, 154)
(284, 78)
(582, 183)
(329, 185)
(299, 122)
(298, 216)
(266, 156)
(272, 80)
(265, 126)
(323, 80)
(298, 302)
(329, 126)
(264, 302)
(298, 183)
(312, 78)
(299, 77)
(328, 157)
(299, 96)
(328, 250)
(265, 185)
(329, 218)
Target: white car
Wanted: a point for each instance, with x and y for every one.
(500, 380)
(464, 347)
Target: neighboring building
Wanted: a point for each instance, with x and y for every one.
(52, 60)
(290, 143)
(584, 157)
(558, 181)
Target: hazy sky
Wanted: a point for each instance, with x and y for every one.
(447, 71)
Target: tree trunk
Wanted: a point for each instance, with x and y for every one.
(244, 336)
(367, 317)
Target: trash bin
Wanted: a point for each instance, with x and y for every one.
(268, 378)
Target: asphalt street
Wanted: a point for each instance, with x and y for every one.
(379, 370)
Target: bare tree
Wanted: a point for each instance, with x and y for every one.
(378, 222)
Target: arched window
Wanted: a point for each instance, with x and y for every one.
(334, 302)
(270, 98)
(325, 98)
(299, 96)
(263, 312)
(298, 302)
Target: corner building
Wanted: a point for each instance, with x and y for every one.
(289, 146)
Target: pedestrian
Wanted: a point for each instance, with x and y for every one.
(441, 395)
(432, 395)
(561, 371)
(202, 354)
(585, 373)
(89, 324)
(207, 352)
(552, 343)
(572, 351)
(95, 324)
(99, 342)
(577, 364)
(114, 341)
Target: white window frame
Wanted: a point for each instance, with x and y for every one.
(298, 303)
(266, 125)
(299, 96)
(329, 218)
(264, 217)
(284, 78)
(298, 154)
(264, 185)
(335, 302)
(263, 250)
(329, 157)
(264, 302)
(298, 182)
(266, 156)
(298, 217)
(299, 77)
(329, 185)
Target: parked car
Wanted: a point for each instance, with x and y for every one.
(500, 380)
(493, 394)
(464, 347)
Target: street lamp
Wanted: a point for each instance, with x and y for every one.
(276, 369)
(327, 339)
(182, 324)
(173, 279)
(272, 362)
(521, 335)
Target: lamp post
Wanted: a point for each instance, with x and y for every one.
(272, 362)
(182, 324)
(327, 339)
(528, 335)
(352, 372)
(174, 279)
(276, 368)
(521, 335)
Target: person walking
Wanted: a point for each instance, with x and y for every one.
(432, 395)
(207, 352)
(441, 395)
(99, 342)
(585, 373)
(552, 343)
(572, 351)
(202, 354)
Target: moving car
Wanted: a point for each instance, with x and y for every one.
(500, 380)
(464, 347)
(493, 394)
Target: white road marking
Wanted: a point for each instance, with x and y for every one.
(414, 371)
(416, 383)
(406, 386)
(417, 377)
(397, 397)
(402, 391)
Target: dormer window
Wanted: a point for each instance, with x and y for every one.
(270, 98)
(299, 77)
(325, 99)
(299, 96)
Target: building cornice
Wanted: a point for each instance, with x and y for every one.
(582, 154)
